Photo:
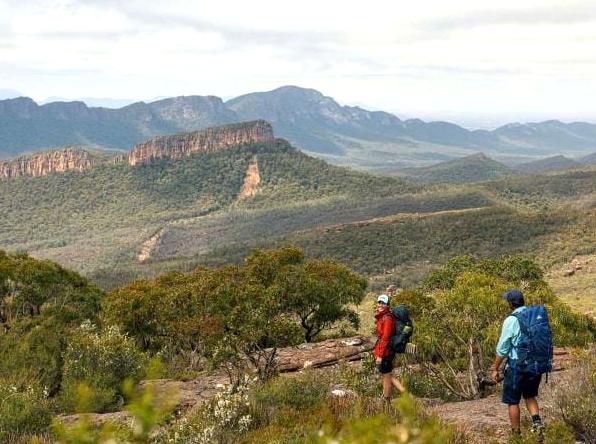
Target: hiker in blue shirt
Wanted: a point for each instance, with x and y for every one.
(516, 384)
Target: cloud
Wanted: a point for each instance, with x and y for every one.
(567, 14)
(432, 54)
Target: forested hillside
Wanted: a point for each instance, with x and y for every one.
(115, 221)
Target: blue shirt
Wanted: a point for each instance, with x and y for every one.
(510, 335)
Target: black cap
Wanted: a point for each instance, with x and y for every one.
(514, 297)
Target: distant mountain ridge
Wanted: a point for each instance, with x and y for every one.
(315, 123)
(474, 168)
(590, 159)
(548, 164)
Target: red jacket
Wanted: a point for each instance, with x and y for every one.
(385, 323)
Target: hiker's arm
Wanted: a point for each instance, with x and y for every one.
(494, 369)
(503, 346)
(505, 341)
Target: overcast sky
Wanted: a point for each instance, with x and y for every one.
(506, 60)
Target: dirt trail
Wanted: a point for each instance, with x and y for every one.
(252, 179)
(390, 219)
(149, 246)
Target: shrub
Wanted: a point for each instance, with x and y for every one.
(364, 381)
(556, 432)
(149, 408)
(24, 409)
(411, 425)
(577, 401)
(458, 331)
(303, 392)
(222, 419)
(102, 360)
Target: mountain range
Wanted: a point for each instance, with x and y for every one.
(481, 168)
(315, 123)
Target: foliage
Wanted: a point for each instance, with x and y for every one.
(457, 332)
(29, 286)
(101, 361)
(461, 330)
(150, 408)
(222, 419)
(24, 409)
(39, 303)
(556, 432)
(514, 269)
(236, 315)
(410, 426)
(316, 292)
(302, 393)
(577, 400)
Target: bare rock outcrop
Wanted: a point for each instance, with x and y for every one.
(42, 164)
(210, 139)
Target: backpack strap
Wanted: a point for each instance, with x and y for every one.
(522, 323)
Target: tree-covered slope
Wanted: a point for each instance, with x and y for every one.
(106, 213)
(548, 164)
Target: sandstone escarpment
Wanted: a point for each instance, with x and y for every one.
(42, 164)
(210, 139)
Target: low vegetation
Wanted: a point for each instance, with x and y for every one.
(234, 318)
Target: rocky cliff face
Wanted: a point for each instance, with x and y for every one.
(41, 164)
(210, 139)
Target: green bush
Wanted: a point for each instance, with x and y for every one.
(410, 426)
(40, 301)
(24, 409)
(101, 360)
(303, 392)
(458, 331)
(364, 381)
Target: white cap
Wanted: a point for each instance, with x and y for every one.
(384, 299)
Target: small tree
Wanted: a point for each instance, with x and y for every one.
(247, 323)
(458, 331)
(461, 329)
(318, 294)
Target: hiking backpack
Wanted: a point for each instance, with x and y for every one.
(535, 347)
(403, 329)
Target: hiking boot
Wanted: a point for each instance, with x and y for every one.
(538, 430)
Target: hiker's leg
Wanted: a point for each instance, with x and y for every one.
(514, 416)
(532, 406)
(387, 385)
(398, 385)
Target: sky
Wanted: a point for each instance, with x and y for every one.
(480, 63)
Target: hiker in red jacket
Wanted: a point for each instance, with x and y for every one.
(385, 326)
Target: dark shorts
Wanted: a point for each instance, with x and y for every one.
(516, 385)
(386, 365)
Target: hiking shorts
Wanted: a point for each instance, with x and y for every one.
(386, 365)
(516, 385)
